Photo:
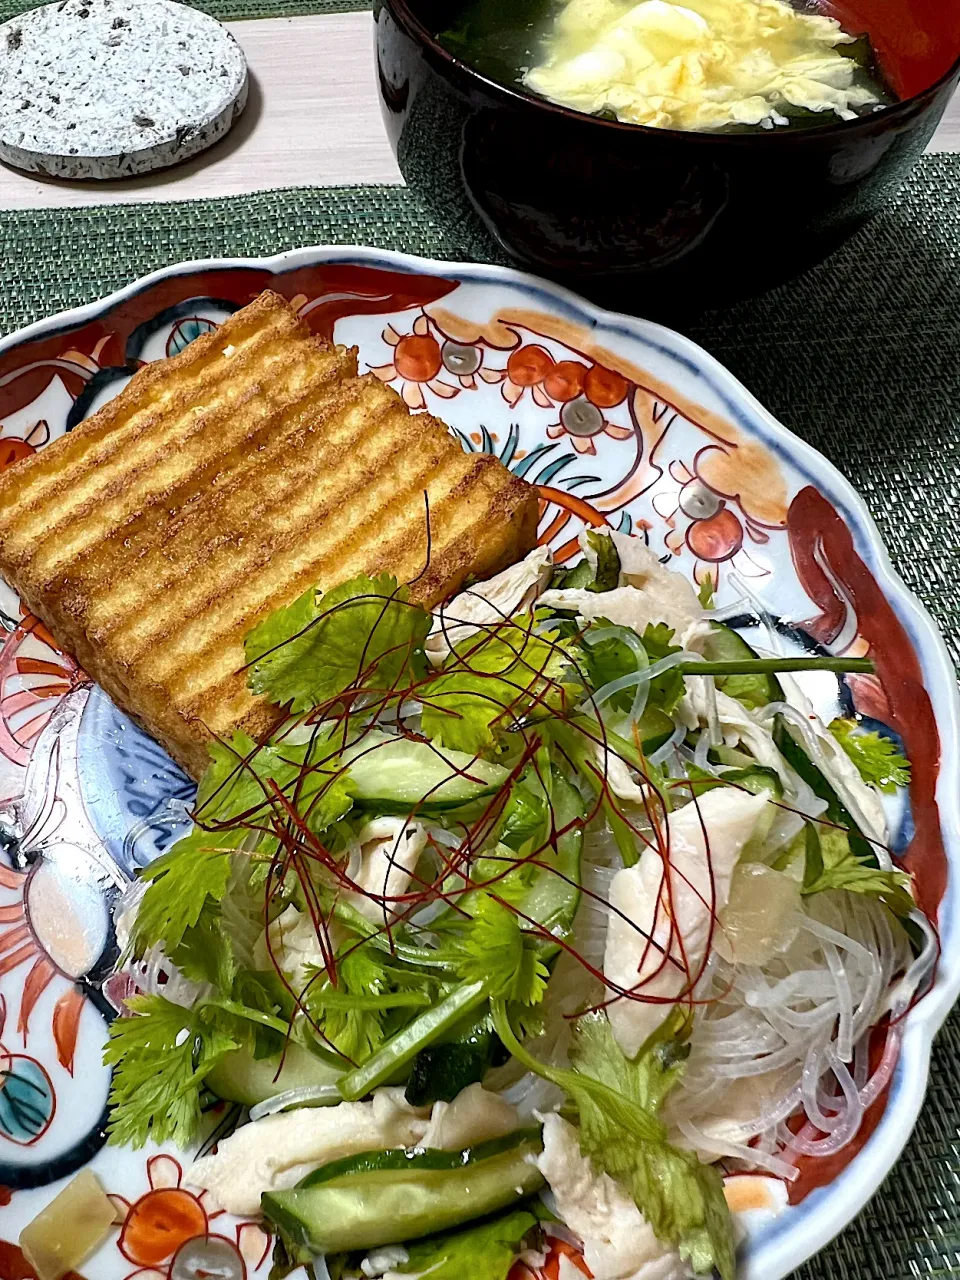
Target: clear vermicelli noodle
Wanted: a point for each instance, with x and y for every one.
(794, 1028)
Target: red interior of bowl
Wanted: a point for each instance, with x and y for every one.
(917, 41)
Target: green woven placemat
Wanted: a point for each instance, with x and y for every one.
(861, 357)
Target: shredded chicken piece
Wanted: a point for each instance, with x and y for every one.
(274, 1153)
(648, 592)
(485, 603)
(704, 839)
(618, 1242)
(473, 1116)
(390, 849)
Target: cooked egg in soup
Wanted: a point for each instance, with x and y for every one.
(702, 65)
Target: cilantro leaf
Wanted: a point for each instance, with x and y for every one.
(482, 1251)
(668, 688)
(646, 1081)
(610, 658)
(194, 873)
(681, 1198)
(235, 785)
(617, 1101)
(494, 949)
(525, 815)
(489, 683)
(183, 881)
(205, 952)
(830, 863)
(605, 660)
(160, 1058)
(357, 1033)
(607, 573)
(354, 1013)
(230, 786)
(878, 761)
(256, 992)
(364, 630)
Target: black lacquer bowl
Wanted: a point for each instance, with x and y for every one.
(649, 219)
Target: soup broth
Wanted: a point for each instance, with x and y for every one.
(705, 65)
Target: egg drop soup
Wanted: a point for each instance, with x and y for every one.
(706, 65)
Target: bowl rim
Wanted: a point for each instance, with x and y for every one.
(401, 11)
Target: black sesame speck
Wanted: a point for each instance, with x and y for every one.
(83, 13)
(54, 97)
(14, 38)
(184, 71)
(73, 125)
(120, 22)
(144, 122)
(26, 104)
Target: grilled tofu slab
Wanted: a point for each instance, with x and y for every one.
(219, 485)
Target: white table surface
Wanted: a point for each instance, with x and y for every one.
(313, 119)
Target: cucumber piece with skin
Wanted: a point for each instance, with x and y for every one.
(400, 775)
(380, 1206)
(554, 895)
(403, 1159)
(723, 644)
(837, 812)
(759, 781)
(755, 778)
(654, 728)
(443, 1070)
(240, 1077)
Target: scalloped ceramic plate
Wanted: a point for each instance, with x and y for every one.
(617, 421)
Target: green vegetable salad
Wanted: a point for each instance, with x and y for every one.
(537, 920)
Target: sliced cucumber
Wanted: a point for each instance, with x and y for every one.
(240, 1077)
(724, 645)
(402, 774)
(375, 1206)
(755, 778)
(654, 728)
(443, 1070)
(577, 578)
(404, 1159)
(554, 894)
(837, 812)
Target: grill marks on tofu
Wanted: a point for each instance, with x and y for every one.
(218, 486)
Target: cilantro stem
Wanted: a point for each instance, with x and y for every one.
(251, 1015)
(406, 1044)
(365, 1004)
(624, 1111)
(423, 957)
(762, 666)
